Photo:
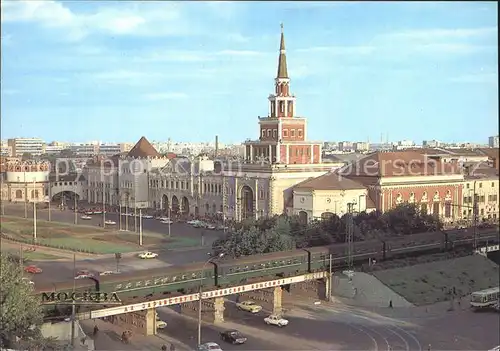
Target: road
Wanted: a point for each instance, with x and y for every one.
(63, 270)
(335, 326)
(151, 225)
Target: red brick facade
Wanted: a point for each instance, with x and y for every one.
(444, 200)
(293, 132)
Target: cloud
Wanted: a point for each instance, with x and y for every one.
(194, 55)
(165, 96)
(441, 34)
(143, 19)
(477, 78)
(10, 91)
(339, 50)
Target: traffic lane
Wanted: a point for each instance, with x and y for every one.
(305, 326)
(463, 330)
(63, 271)
(60, 271)
(153, 225)
(186, 330)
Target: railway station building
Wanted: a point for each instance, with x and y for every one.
(261, 184)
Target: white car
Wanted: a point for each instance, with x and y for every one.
(109, 222)
(27, 281)
(147, 217)
(209, 346)
(160, 324)
(167, 221)
(276, 320)
(84, 276)
(194, 221)
(109, 273)
(148, 254)
(85, 217)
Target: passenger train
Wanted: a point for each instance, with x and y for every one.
(226, 272)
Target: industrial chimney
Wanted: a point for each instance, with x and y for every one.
(216, 146)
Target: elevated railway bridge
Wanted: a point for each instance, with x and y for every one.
(299, 270)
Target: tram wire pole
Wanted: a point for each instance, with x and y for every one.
(34, 212)
(200, 294)
(474, 219)
(73, 306)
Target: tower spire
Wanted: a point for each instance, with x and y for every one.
(282, 67)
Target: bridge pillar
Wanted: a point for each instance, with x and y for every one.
(277, 301)
(219, 310)
(150, 322)
(325, 288)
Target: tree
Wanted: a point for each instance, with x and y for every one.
(26, 156)
(20, 313)
(256, 238)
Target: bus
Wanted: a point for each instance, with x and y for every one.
(485, 298)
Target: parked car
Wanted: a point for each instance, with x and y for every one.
(233, 337)
(84, 274)
(86, 217)
(209, 346)
(109, 222)
(249, 306)
(148, 254)
(167, 221)
(109, 273)
(276, 320)
(147, 217)
(33, 269)
(211, 227)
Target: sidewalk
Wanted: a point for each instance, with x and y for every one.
(109, 337)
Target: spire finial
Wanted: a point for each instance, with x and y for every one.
(282, 68)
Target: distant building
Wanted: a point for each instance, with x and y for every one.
(32, 146)
(431, 143)
(493, 141)
(85, 150)
(361, 146)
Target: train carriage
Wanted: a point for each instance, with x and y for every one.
(276, 264)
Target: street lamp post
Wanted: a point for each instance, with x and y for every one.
(34, 212)
(140, 227)
(75, 204)
(200, 295)
(103, 206)
(50, 199)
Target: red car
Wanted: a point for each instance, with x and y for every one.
(32, 269)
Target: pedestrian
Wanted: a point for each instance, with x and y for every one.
(172, 347)
(164, 348)
(429, 347)
(96, 330)
(390, 304)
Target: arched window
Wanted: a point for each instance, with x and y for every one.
(19, 194)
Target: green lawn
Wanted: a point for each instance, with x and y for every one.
(35, 256)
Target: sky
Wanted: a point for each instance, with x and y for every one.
(115, 71)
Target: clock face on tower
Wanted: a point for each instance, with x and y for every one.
(328, 201)
(302, 200)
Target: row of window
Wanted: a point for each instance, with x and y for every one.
(481, 198)
(100, 185)
(480, 185)
(274, 133)
(264, 265)
(169, 184)
(481, 212)
(34, 194)
(65, 183)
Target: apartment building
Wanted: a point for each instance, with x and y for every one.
(20, 146)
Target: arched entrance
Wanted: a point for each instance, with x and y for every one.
(246, 202)
(65, 197)
(326, 215)
(175, 204)
(303, 217)
(164, 202)
(19, 194)
(185, 205)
